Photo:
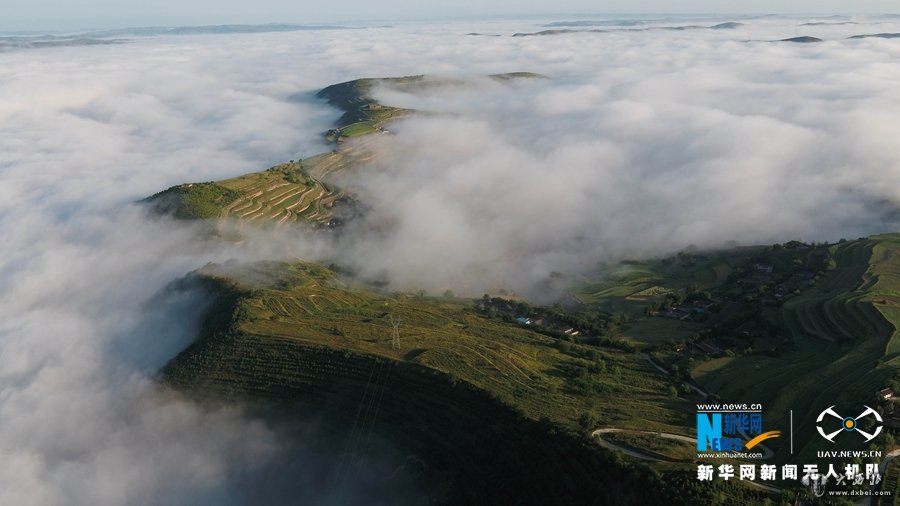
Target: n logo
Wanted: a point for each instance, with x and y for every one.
(709, 429)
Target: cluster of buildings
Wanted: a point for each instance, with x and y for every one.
(686, 310)
(569, 331)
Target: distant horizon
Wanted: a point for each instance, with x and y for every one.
(34, 27)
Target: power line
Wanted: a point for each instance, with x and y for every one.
(395, 336)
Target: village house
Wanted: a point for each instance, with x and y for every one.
(764, 268)
(709, 348)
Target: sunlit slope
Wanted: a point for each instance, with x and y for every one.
(364, 114)
(490, 404)
(845, 332)
(301, 191)
(628, 287)
(297, 191)
(306, 305)
(289, 192)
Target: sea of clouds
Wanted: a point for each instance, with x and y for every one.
(642, 141)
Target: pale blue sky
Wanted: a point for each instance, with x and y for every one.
(70, 14)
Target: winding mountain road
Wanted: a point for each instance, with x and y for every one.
(598, 435)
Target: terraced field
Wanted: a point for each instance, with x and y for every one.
(302, 191)
(882, 284)
(625, 286)
(628, 287)
(621, 283)
(285, 193)
(845, 333)
(289, 192)
(479, 400)
(294, 192)
(890, 482)
(364, 115)
(310, 305)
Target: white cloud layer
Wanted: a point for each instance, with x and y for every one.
(641, 142)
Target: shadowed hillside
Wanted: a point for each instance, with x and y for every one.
(293, 336)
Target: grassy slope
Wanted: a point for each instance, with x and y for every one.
(289, 192)
(478, 400)
(626, 288)
(193, 200)
(300, 191)
(664, 449)
(842, 326)
(890, 482)
(845, 329)
(363, 114)
(355, 99)
(308, 304)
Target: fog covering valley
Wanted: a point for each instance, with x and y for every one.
(641, 141)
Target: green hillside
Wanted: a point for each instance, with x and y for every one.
(494, 409)
(363, 114)
(293, 192)
(302, 191)
(310, 305)
(795, 327)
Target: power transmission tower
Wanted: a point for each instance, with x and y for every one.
(395, 336)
